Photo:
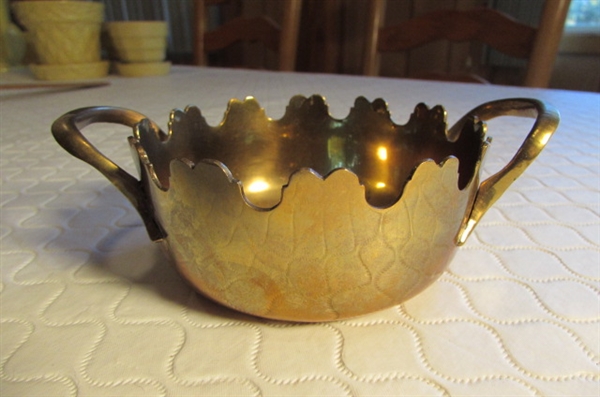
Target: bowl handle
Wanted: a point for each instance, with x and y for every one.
(491, 189)
(67, 132)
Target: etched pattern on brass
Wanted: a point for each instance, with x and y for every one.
(311, 218)
(324, 253)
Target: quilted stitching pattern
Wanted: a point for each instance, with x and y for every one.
(88, 306)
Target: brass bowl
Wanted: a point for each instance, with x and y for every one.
(310, 218)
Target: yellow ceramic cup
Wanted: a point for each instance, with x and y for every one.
(62, 32)
(58, 43)
(138, 41)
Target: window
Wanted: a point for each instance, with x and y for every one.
(583, 17)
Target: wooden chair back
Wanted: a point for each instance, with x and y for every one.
(281, 39)
(497, 30)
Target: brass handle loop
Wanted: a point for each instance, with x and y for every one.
(490, 190)
(67, 132)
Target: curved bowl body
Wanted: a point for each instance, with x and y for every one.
(366, 218)
(311, 218)
(323, 254)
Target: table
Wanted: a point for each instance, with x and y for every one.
(90, 307)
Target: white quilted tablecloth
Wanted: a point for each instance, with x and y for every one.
(90, 307)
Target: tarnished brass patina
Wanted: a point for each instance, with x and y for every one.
(310, 218)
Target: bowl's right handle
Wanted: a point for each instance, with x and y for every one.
(67, 132)
(490, 190)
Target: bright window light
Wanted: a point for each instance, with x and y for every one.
(583, 16)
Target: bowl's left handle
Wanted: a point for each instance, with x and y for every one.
(67, 132)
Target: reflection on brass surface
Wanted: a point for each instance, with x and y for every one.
(310, 218)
